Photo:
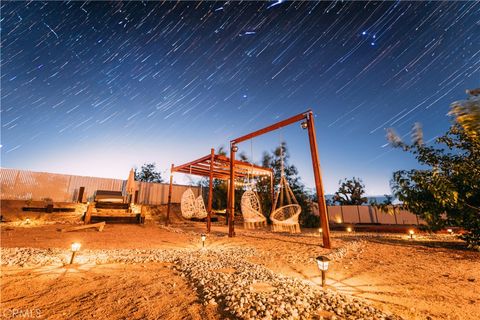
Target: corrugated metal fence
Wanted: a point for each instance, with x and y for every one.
(29, 185)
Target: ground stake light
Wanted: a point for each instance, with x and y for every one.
(450, 231)
(349, 229)
(411, 232)
(322, 263)
(204, 237)
(75, 248)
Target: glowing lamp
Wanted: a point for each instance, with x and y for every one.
(450, 231)
(75, 248)
(204, 237)
(322, 264)
(304, 125)
(320, 230)
(27, 221)
(411, 232)
(349, 229)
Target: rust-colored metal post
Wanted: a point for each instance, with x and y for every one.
(272, 190)
(210, 191)
(322, 206)
(228, 201)
(167, 221)
(231, 193)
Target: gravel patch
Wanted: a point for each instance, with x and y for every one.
(223, 278)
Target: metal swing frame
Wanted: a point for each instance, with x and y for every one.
(307, 122)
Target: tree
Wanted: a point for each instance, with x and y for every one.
(446, 192)
(467, 113)
(350, 192)
(148, 173)
(386, 205)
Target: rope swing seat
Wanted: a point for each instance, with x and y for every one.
(286, 210)
(192, 207)
(252, 211)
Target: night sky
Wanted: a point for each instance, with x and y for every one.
(96, 88)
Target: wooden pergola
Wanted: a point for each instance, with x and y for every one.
(216, 166)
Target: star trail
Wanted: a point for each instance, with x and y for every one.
(94, 88)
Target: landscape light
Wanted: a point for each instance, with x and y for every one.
(75, 247)
(450, 231)
(411, 232)
(204, 237)
(304, 125)
(349, 229)
(27, 221)
(322, 264)
(320, 230)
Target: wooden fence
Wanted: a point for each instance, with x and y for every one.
(29, 185)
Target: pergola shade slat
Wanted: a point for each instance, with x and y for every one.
(221, 168)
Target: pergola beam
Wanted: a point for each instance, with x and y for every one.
(221, 168)
(273, 127)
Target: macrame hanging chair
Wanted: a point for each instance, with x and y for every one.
(286, 210)
(191, 206)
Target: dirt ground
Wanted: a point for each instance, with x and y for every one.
(415, 279)
(150, 291)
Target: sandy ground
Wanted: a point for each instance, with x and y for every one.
(415, 279)
(101, 292)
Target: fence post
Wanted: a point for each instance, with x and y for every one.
(81, 191)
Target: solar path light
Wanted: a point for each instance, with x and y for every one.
(322, 264)
(411, 232)
(75, 248)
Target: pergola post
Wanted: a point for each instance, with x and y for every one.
(272, 190)
(210, 191)
(322, 206)
(167, 221)
(231, 193)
